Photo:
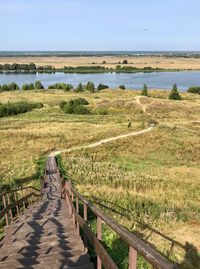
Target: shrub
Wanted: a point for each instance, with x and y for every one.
(102, 87)
(125, 61)
(68, 108)
(144, 90)
(122, 87)
(38, 85)
(194, 89)
(81, 110)
(75, 106)
(62, 104)
(80, 101)
(174, 95)
(8, 109)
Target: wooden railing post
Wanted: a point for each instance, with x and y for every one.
(10, 211)
(85, 212)
(4, 204)
(99, 236)
(17, 207)
(77, 210)
(132, 258)
(24, 205)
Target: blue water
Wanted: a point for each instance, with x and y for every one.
(162, 80)
(97, 53)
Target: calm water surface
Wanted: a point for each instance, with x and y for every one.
(163, 80)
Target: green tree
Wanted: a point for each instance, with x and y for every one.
(4, 88)
(13, 86)
(144, 90)
(31, 86)
(174, 94)
(194, 89)
(79, 88)
(25, 87)
(122, 87)
(102, 87)
(125, 61)
(38, 85)
(90, 87)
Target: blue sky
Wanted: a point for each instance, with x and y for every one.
(99, 25)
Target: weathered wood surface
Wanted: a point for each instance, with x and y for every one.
(45, 235)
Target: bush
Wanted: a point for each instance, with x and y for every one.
(125, 61)
(81, 110)
(38, 85)
(194, 89)
(122, 87)
(75, 106)
(102, 87)
(8, 109)
(80, 101)
(62, 104)
(174, 95)
(145, 90)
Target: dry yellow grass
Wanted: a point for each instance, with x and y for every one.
(154, 176)
(111, 61)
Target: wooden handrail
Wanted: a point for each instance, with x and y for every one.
(18, 202)
(136, 244)
(8, 205)
(19, 189)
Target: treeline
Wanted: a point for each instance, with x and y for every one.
(13, 86)
(25, 67)
(32, 68)
(80, 88)
(9, 109)
(194, 89)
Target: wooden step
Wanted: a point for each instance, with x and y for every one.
(25, 263)
(43, 248)
(70, 259)
(45, 236)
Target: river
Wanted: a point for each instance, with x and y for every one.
(161, 80)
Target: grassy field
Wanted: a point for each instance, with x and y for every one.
(150, 181)
(111, 61)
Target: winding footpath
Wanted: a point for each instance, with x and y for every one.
(103, 141)
(110, 139)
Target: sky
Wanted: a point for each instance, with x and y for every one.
(99, 25)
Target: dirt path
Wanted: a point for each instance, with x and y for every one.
(103, 141)
(144, 107)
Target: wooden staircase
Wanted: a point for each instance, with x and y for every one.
(45, 236)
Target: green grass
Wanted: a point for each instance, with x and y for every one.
(148, 183)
